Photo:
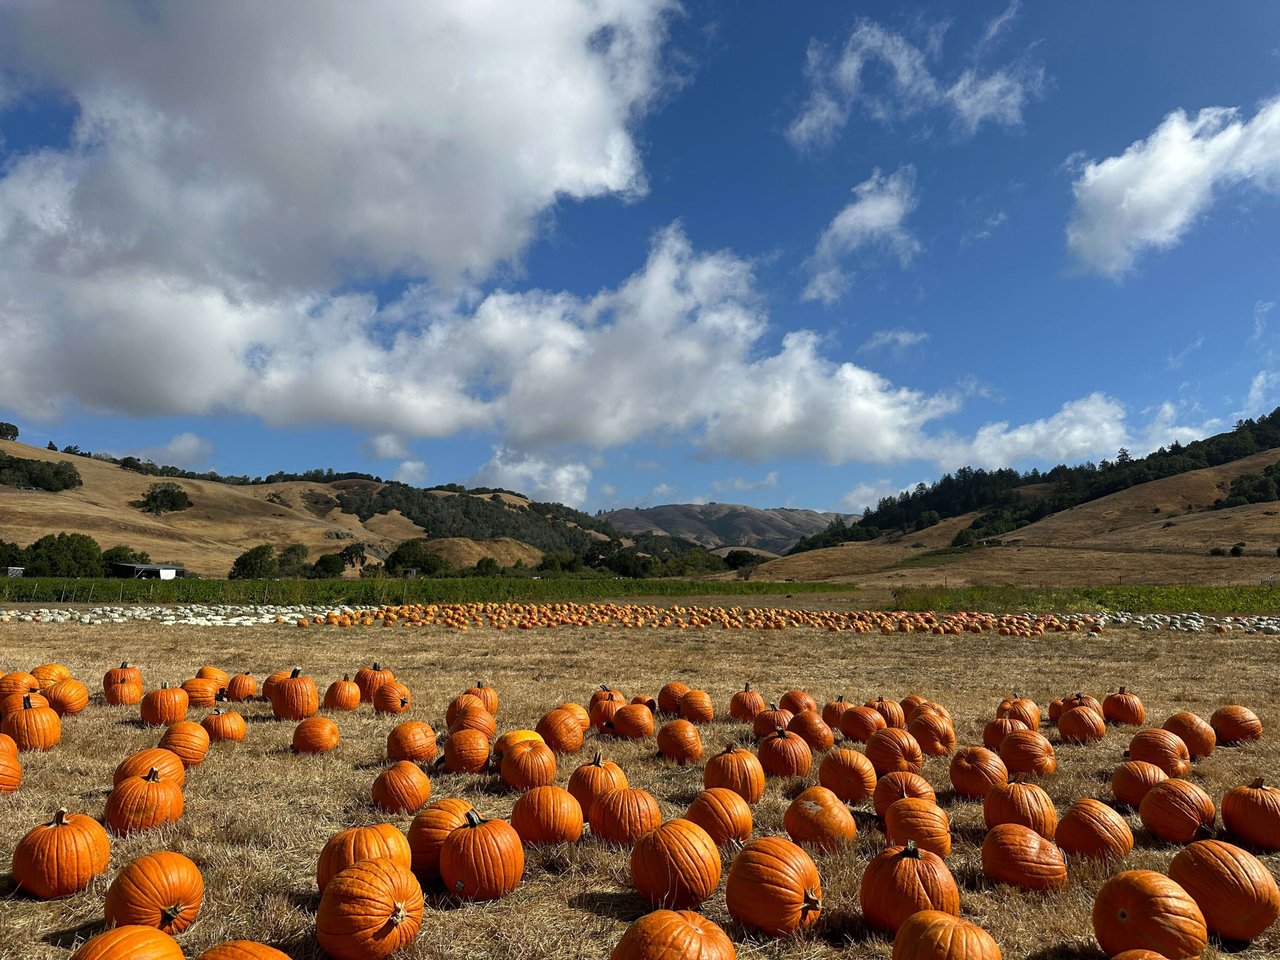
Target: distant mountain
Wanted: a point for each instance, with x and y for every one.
(714, 525)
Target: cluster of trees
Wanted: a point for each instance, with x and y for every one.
(162, 498)
(266, 562)
(1252, 488)
(1006, 507)
(543, 525)
(68, 555)
(20, 472)
(8, 431)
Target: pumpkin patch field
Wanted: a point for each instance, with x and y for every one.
(756, 785)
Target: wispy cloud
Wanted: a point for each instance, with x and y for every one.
(1176, 360)
(1261, 312)
(837, 84)
(898, 339)
(768, 482)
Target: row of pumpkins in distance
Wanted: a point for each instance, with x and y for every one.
(773, 886)
(534, 616)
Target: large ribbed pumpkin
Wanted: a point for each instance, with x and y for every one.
(61, 857)
(428, 831)
(412, 740)
(162, 889)
(894, 749)
(187, 739)
(1017, 855)
(860, 723)
(743, 705)
(122, 685)
(142, 803)
(1124, 708)
(819, 818)
(547, 815)
(1164, 749)
(934, 935)
(895, 786)
(401, 788)
(166, 763)
(482, 859)
(723, 814)
(784, 754)
(975, 770)
(369, 911)
(934, 732)
(902, 880)
(773, 887)
(848, 774)
(561, 731)
(369, 679)
(696, 706)
(342, 694)
(361, 843)
(921, 821)
(133, 942)
(466, 751)
(592, 779)
(1092, 829)
(225, 726)
(993, 733)
(1142, 909)
(241, 687)
(33, 727)
(242, 950)
(487, 695)
(1195, 733)
(395, 697)
(1029, 752)
(673, 935)
(676, 865)
(1081, 725)
(1234, 890)
(295, 697)
(316, 735)
(679, 740)
(1021, 803)
(1252, 814)
(1177, 811)
(164, 706)
(528, 764)
(669, 697)
(1235, 724)
(67, 697)
(1131, 780)
(737, 769)
(624, 816)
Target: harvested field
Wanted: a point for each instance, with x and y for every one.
(257, 815)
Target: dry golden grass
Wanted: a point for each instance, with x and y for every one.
(257, 815)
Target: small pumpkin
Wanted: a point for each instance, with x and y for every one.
(164, 706)
(1081, 725)
(1164, 749)
(486, 694)
(1236, 724)
(187, 739)
(696, 706)
(1131, 780)
(395, 697)
(669, 697)
(899, 784)
(316, 735)
(561, 731)
(921, 821)
(342, 694)
(224, 726)
(167, 763)
(295, 697)
(1124, 708)
(673, 935)
(934, 732)
(32, 727)
(528, 764)
(242, 687)
(784, 754)
(811, 728)
(934, 935)
(797, 701)
(743, 705)
(993, 733)
(67, 697)
(680, 741)
(1029, 752)
(769, 720)
(634, 721)
(894, 716)
(833, 710)
(466, 751)
(1195, 733)
(369, 679)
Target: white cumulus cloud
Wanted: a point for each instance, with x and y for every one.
(1151, 195)
(187, 450)
(412, 472)
(543, 479)
(875, 218)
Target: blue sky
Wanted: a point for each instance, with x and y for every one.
(630, 252)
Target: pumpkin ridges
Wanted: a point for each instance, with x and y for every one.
(774, 887)
(1252, 814)
(162, 889)
(133, 941)
(482, 859)
(368, 911)
(902, 880)
(1142, 908)
(673, 934)
(61, 857)
(1234, 890)
(675, 865)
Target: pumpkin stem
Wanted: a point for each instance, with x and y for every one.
(1258, 784)
(910, 850)
(295, 672)
(811, 901)
(474, 819)
(124, 665)
(730, 747)
(164, 684)
(398, 916)
(604, 687)
(172, 913)
(1122, 689)
(60, 818)
(773, 706)
(746, 687)
(377, 665)
(26, 701)
(479, 684)
(779, 731)
(153, 775)
(346, 678)
(599, 760)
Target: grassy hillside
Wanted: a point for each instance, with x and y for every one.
(715, 525)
